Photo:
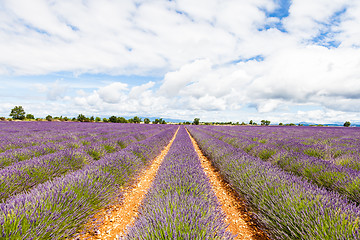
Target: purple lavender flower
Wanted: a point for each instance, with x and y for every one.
(286, 205)
(180, 203)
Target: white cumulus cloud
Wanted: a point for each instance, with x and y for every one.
(211, 58)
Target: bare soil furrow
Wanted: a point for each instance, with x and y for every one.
(116, 218)
(238, 218)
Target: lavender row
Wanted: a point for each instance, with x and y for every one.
(16, 135)
(340, 146)
(58, 208)
(180, 203)
(96, 145)
(94, 148)
(24, 175)
(324, 174)
(288, 206)
(17, 155)
(344, 180)
(100, 148)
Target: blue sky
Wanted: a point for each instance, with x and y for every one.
(285, 61)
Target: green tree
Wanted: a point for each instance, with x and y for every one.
(113, 119)
(49, 118)
(196, 121)
(82, 118)
(146, 120)
(347, 124)
(97, 119)
(265, 122)
(29, 116)
(17, 113)
(136, 119)
(121, 120)
(251, 122)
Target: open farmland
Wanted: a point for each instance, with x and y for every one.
(293, 182)
(179, 119)
(300, 182)
(49, 194)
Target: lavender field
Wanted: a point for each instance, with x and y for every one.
(181, 204)
(55, 176)
(298, 182)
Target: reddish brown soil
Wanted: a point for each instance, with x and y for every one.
(116, 218)
(238, 218)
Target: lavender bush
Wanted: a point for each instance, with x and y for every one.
(307, 160)
(340, 146)
(58, 208)
(180, 203)
(23, 175)
(288, 206)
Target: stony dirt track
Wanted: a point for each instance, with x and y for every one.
(239, 220)
(116, 218)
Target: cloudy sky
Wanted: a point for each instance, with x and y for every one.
(220, 60)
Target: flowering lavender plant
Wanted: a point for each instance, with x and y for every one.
(180, 203)
(288, 206)
(316, 162)
(57, 209)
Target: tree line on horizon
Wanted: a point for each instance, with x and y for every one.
(18, 113)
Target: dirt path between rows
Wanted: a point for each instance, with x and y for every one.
(239, 220)
(116, 218)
